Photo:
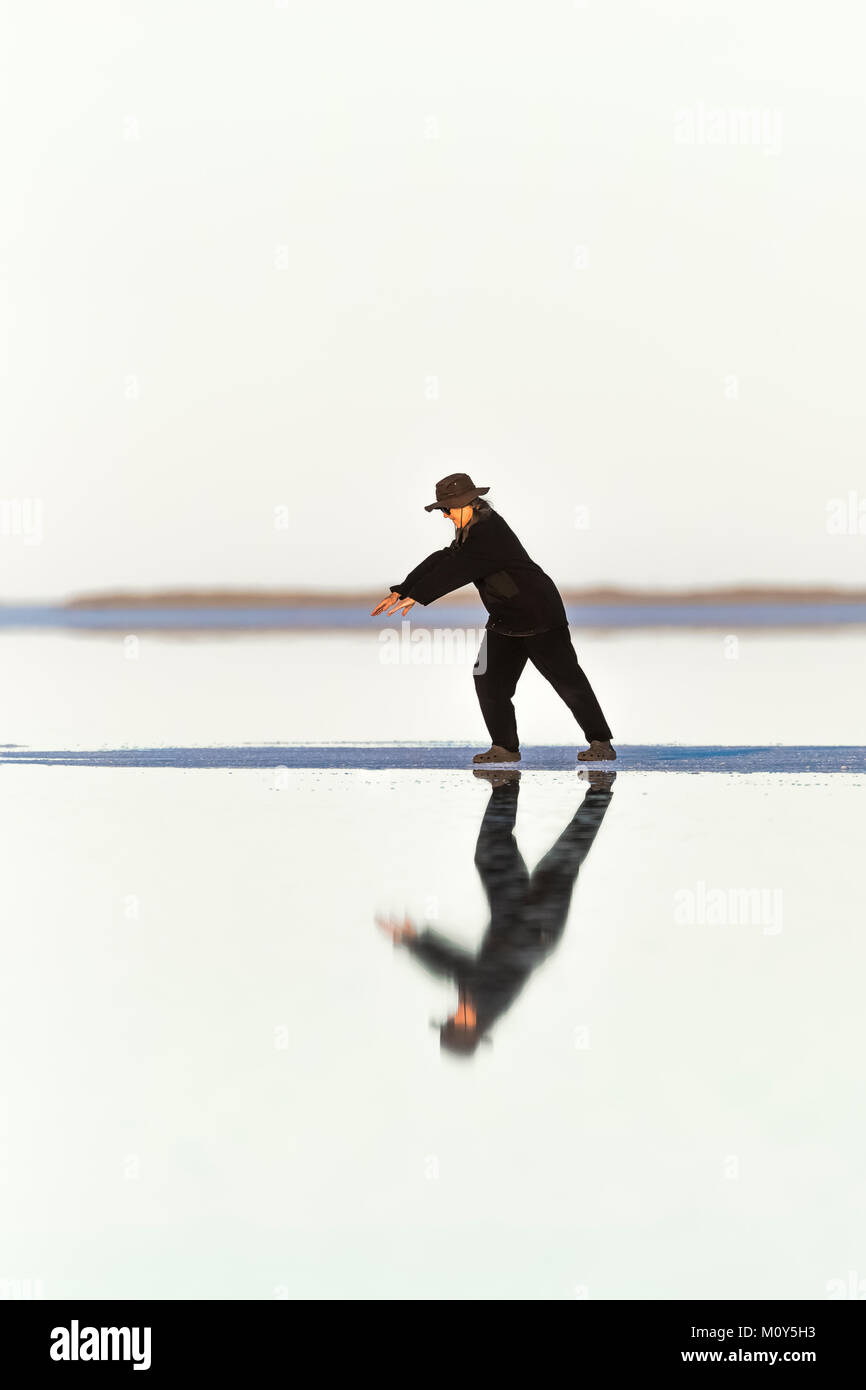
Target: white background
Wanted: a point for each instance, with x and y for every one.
(242, 237)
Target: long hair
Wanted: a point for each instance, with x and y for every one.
(480, 510)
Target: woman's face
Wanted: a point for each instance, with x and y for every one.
(459, 515)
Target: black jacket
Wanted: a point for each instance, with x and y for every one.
(520, 598)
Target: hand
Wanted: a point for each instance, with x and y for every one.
(397, 932)
(391, 604)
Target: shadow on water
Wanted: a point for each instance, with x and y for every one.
(528, 911)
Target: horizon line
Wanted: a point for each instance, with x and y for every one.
(211, 596)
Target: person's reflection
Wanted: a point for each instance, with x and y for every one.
(528, 912)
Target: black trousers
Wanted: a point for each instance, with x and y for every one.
(498, 668)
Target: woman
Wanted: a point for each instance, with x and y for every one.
(527, 619)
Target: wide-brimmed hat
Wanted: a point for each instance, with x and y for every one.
(457, 490)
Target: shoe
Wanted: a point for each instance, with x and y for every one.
(598, 781)
(599, 751)
(496, 754)
(507, 776)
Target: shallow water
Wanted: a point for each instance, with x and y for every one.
(83, 690)
(729, 615)
(222, 1079)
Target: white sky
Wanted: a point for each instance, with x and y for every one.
(242, 237)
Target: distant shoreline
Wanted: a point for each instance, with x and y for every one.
(293, 598)
(178, 612)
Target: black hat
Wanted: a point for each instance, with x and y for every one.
(457, 490)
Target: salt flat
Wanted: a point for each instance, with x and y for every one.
(222, 1079)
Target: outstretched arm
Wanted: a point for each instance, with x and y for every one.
(446, 570)
(400, 597)
(440, 955)
(420, 570)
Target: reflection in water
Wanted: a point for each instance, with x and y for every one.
(528, 912)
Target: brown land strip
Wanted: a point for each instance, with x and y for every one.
(299, 598)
